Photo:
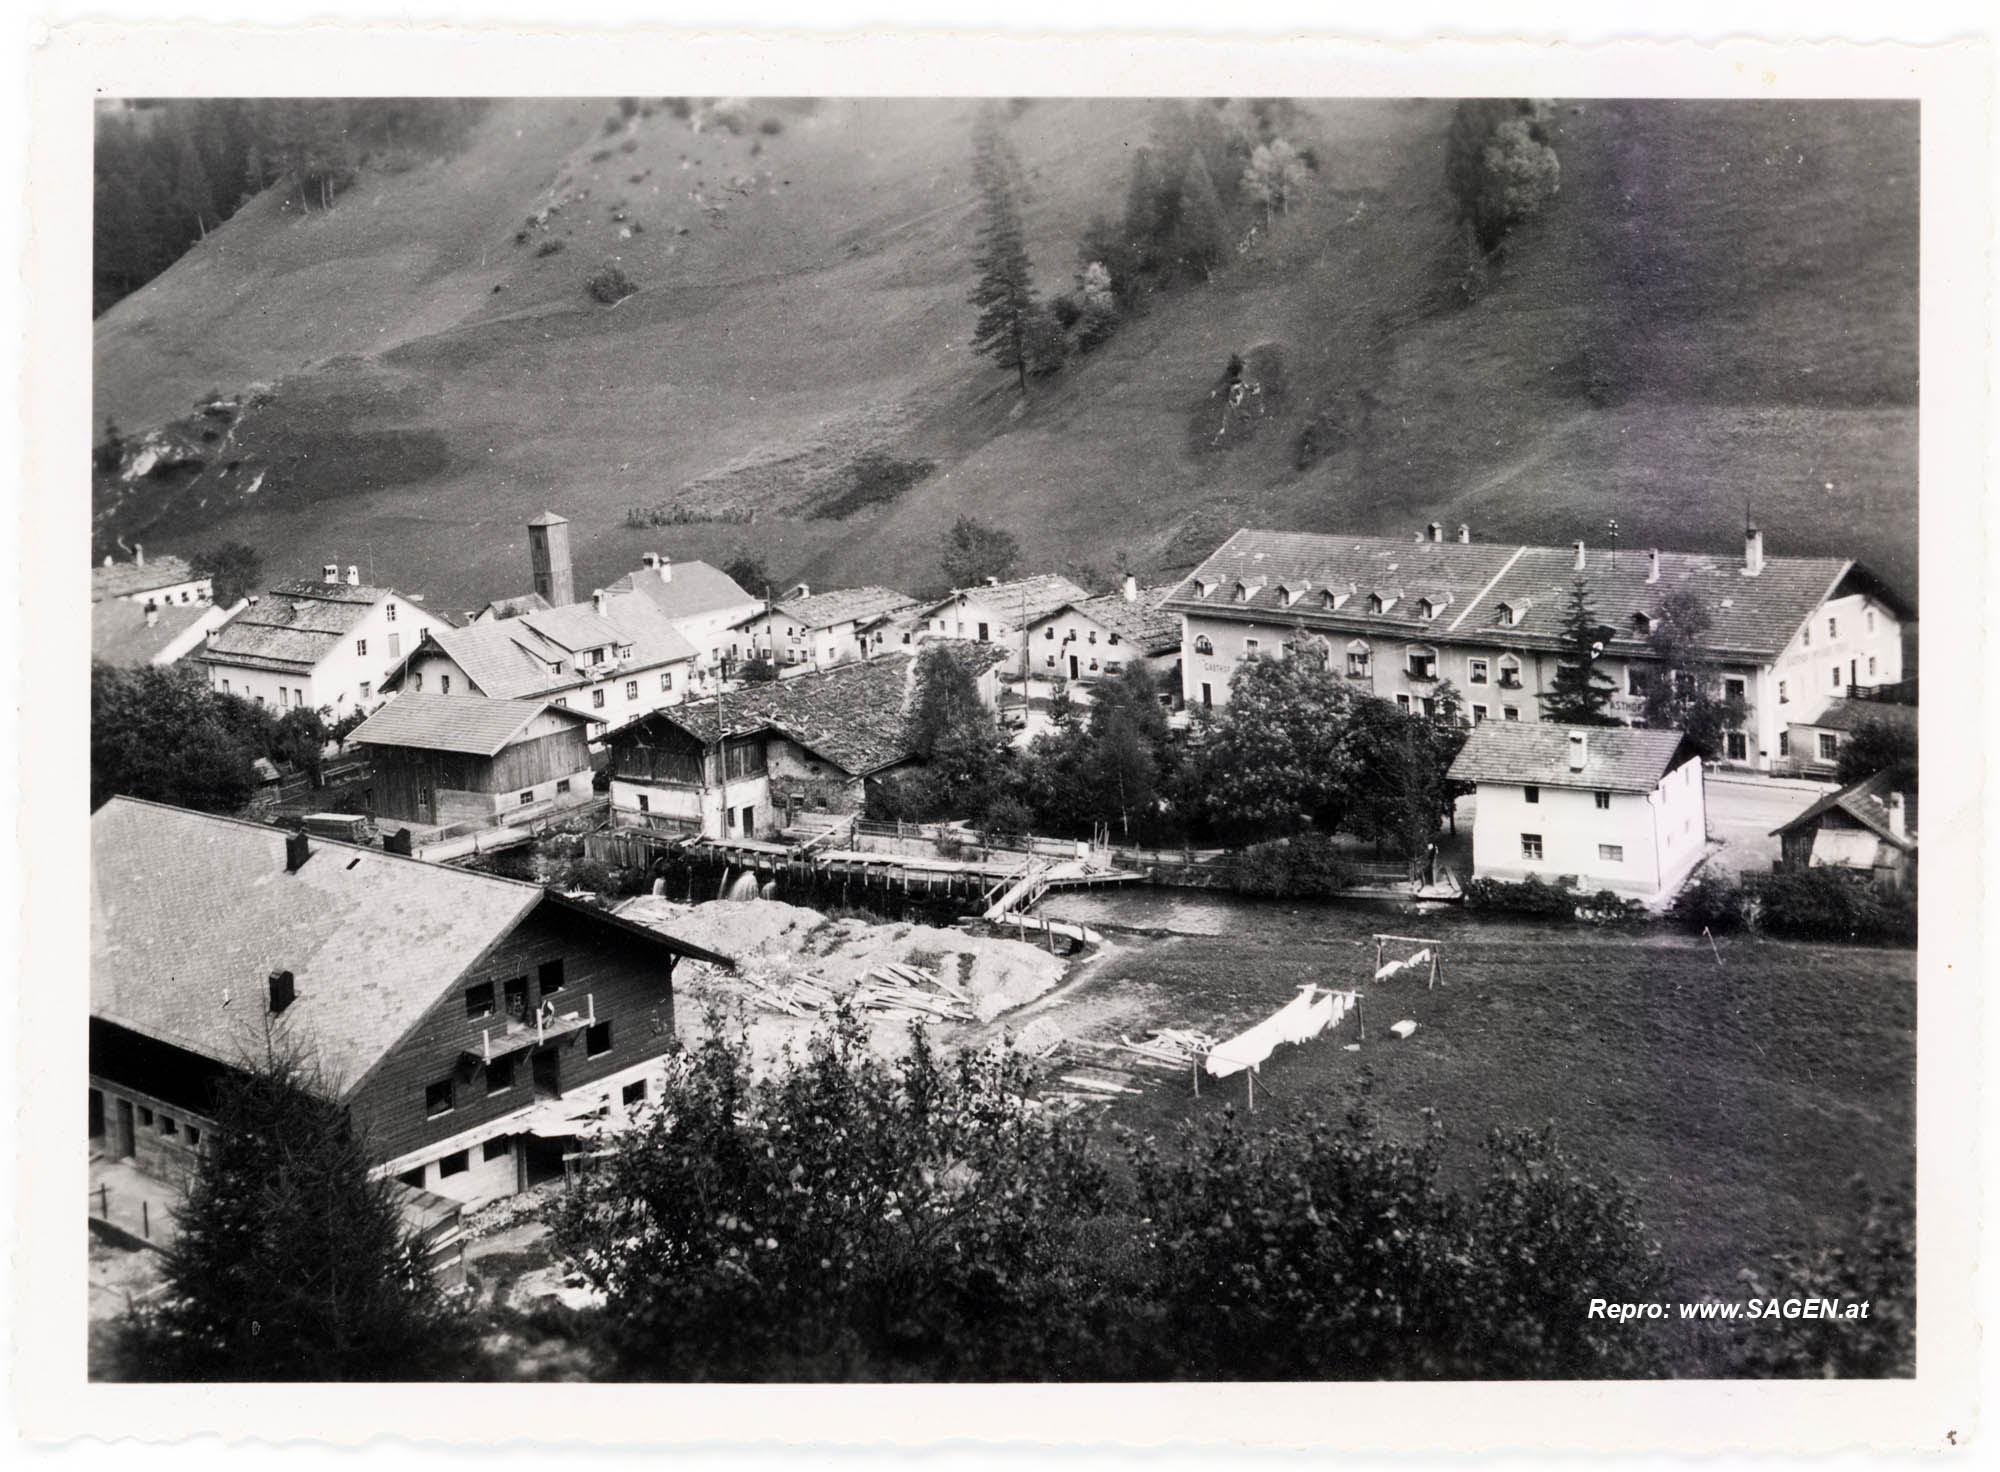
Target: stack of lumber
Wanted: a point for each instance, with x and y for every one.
(1170, 1047)
(798, 996)
(910, 991)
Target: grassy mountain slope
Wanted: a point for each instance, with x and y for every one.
(1720, 302)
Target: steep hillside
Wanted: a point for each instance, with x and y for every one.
(1720, 305)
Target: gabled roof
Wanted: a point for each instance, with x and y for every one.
(1866, 802)
(191, 913)
(1024, 600)
(123, 579)
(577, 626)
(853, 715)
(689, 590)
(514, 606)
(839, 606)
(1144, 623)
(1470, 582)
(511, 658)
(465, 723)
(1531, 754)
(294, 626)
(120, 635)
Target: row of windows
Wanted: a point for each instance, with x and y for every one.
(479, 998)
(167, 1125)
(1532, 793)
(1609, 853)
(1833, 628)
(1089, 638)
(441, 1098)
(500, 1146)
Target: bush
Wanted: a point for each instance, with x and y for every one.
(1709, 902)
(1008, 818)
(1290, 868)
(1558, 901)
(549, 248)
(609, 285)
(1833, 904)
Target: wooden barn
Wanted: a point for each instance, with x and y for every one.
(446, 759)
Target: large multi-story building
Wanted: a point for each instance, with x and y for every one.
(326, 646)
(1400, 617)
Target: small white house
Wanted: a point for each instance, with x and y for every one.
(807, 631)
(326, 646)
(1614, 808)
(163, 581)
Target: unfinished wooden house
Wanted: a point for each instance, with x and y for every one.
(447, 759)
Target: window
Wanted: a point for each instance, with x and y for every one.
(549, 977)
(1207, 698)
(631, 689)
(1203, 645)
(1424, 609)
(982, 634)
(194, 1135)
(1833, 677)
(1423, 664)
(1430, 706)
(1403, 703)
(1784, 696)
(1250, 647)
(1829, 746)
(1049, 632)
(1510, 673)
(284, 698)
(167, 1125)
(1531, 845)
(1114, 638)
(299, 699)
(1478, 714)
(666, 679)
(225, 687)
(1868, 620)
(527, 797)
(635, 1093)
(498, 1148)
(395, 646)
(389, 613)
(145, 1115)
(517, 999)
(416, 682)
(1050, 661)
(1784, 743)
(1531, 793)
(562, 701)
(444, 684)
(645, 803)
(1359, 661)
(1611, 853)
(1832, 627)
(1734, 689)
(597, 1040)
(1805, 639)
(479, 1000)
(1475, 672)
(1603, 801)
(597, 698)
(260, 700)
(413, 1177)
(1093, 637)
(437, 1099)
(361, 647)
(1635, 680)
(1735, 746)
(1093, 664)
(1871, 666)
(1510, 712)
(455, 1164)
(597, 656)
(367, 689)
(500, 1074)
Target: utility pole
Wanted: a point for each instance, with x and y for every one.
(721, 761)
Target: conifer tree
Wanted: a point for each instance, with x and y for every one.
(1005, 294)
(1579, 694)
(1204, 231)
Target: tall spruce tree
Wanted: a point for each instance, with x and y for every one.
(1005, 294)
(1579, 694)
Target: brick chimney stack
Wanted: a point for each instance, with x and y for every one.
(1753, 552)
(1897, 822)
(1579, 750)
(1465, 531)
(329, 572)
(1653, 566)
(138, 554)
(1579, 556)
(298, 848)
(1435, 531)
(353, 576)
(1131, 589)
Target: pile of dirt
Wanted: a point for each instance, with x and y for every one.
(777, 942)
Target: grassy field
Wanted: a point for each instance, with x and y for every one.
(1720, 305)
(1735, 1101)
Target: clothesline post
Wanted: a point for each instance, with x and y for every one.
(1197, 1077)
(1250, 1084)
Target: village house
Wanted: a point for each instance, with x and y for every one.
(441, 760)
(613, 659)
(125, 633)
(160, 582)
(477, 1028)
(1869, 826)
(1812, 748)
(997, 612)
(807, 631)
(746, 765)
(1096, 638)
(704, 605)
(1398, 618)
(324, 646)
(1610, 807)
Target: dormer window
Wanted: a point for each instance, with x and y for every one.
(1375, 603)
(1243, 591)
(1642, 624)
(1504, 614)
(1331, 600)
(1203, 587)
(1425, 609)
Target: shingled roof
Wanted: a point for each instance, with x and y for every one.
(1145, 622)
(119, 633)
(467, 723)
(191, 913)
(294, 626)
(1866, 802)
(511, 658)
(688, 590)
(854, 715)
(841, 605)
(1023, 599)
(1843, 714)
(1529, 754)
(1281, 577)
(123, 579)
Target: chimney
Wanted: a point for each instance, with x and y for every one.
(1579, 750)
(1436, 531)
(1579, 555)
(298, 848)
(1753, 552)
(649, 559)
(597, 602)
(666, 568)
(1653, 565)
(152, 613)
(1464, 531)
(109, 561)
(283, 989)
(1896, 821)
(1131, 588)
(138, 554)
(353, 576)
(803, 591)
(329, 572)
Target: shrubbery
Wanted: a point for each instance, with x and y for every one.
(1805, 904)
(609, 285)
(1290, 868)
(1559, 901)
(549, 248)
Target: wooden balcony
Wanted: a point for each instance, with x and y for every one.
(518, 1037)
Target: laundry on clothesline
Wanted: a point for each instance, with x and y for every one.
(1303, 1018)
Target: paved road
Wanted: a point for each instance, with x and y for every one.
(1742, 811)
